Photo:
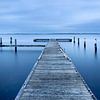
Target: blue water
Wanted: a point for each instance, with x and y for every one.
(86, 60)
(14, 68)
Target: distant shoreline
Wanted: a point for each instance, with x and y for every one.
(51, 34)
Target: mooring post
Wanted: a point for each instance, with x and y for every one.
(74, 39)
(95, 45)
(15, 45)
(84, 42)
(0, 41)
(78, 41)
(10, 40)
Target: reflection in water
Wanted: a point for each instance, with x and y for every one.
(14, 68)
(86, 58)
(96, 55)
(0, 49)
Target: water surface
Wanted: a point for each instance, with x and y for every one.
(14, 69)
(86, 60)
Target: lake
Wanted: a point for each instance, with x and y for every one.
(14, 68)
(86, 60)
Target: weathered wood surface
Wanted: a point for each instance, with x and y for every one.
(59, 40)
(22, 45)
(54, 77)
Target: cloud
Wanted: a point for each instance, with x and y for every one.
(48, 15)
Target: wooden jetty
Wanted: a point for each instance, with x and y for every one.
(22, 45)
(54, 77)
(59, 40)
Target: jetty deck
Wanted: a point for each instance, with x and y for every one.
(54, 77)
(59, 40)
(22, 45)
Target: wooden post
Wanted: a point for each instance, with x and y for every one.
(10, 40)
(84, 42)
(74, 39)
(15, 45)
(0, 41)
(78, 41)
(95, 46)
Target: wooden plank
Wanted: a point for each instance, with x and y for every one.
(59, 40)
(54, 77)
(22, 45)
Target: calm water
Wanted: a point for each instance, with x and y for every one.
(86, 61)
(15, 68)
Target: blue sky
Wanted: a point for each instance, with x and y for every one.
(43, 16)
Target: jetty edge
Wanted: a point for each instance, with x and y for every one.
(54, 77)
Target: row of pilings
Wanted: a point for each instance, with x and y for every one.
(74, 41)
(1, 43)
(85, 43)
(10, 40)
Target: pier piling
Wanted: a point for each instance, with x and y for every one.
(15, 45)
(0, 41)
(10, 40)
(74, 39)
(95, 46)
(78, 41)
(85, 43)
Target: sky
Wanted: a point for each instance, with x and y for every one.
(49, 16)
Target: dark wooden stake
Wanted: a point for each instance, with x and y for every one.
(15, 45)
(74, 39)
(10, 40)
(78, 41)
(95, 45)
(0, 41)
(84, 42)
